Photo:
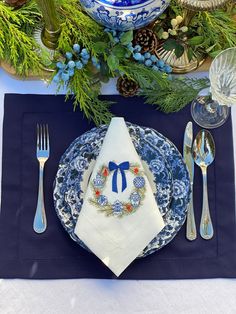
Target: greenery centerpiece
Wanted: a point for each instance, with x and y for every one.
(88, 55)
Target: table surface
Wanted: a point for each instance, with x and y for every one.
(109, 296)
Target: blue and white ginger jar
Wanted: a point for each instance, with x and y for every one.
(124, 15)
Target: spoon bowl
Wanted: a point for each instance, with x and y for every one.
(204, 149)
(204, 155)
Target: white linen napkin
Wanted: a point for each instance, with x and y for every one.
(119, 216)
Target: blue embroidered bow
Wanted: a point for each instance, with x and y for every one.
(122, 167)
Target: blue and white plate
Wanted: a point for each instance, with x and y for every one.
(164, 166)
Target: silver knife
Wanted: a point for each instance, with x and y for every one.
(191, 233)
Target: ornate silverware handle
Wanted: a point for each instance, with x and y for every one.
(40, 221)
(191, 233)
(206, 227)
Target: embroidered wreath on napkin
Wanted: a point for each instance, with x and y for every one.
(118, 208)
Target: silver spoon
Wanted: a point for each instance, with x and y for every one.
(204, 155)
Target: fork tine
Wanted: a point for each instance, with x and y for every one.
(44, 138)
(38, 137)
(47, 137)
(41, 136)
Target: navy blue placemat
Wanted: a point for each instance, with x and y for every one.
(25, 254)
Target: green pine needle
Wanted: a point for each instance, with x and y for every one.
(85, 94)
(77, 27)
(169, 95)
(175, 95)
(143, 75)
(16, 46)
(218, 29)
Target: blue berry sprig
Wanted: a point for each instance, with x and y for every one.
(148, 59)
(122, 48)
(75, 60)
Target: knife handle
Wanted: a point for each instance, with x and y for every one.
(191, 233)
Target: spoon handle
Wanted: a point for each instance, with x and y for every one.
(206, 227)
(191, 233)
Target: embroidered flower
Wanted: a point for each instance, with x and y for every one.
(117, 208)
(102, 200)
(98, 181)
(136, 170)
(157, 165)
(135, 199)
(129, 207)
(139, 182)
(179, 189)
(105, 172)
(97, 193)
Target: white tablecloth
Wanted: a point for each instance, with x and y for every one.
(109, 296)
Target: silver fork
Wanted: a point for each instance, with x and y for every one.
(42, 154)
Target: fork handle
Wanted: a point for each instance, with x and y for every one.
(40, 220)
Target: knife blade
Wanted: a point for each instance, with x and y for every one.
(191, 233)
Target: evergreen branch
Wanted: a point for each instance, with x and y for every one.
(168, 94)
(176, 95)
(175, 7)
(33, 17)
(85, 94)
(2, 40)
(143, 75)
(219, 30)
(16, 46)
(20, 50)
(77, 27)
(28, 14)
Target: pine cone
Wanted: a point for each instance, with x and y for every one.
(127, 87)
(147, 39)
(16, 3)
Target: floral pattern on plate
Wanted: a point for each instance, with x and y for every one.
(124, 15)
(159, 154)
